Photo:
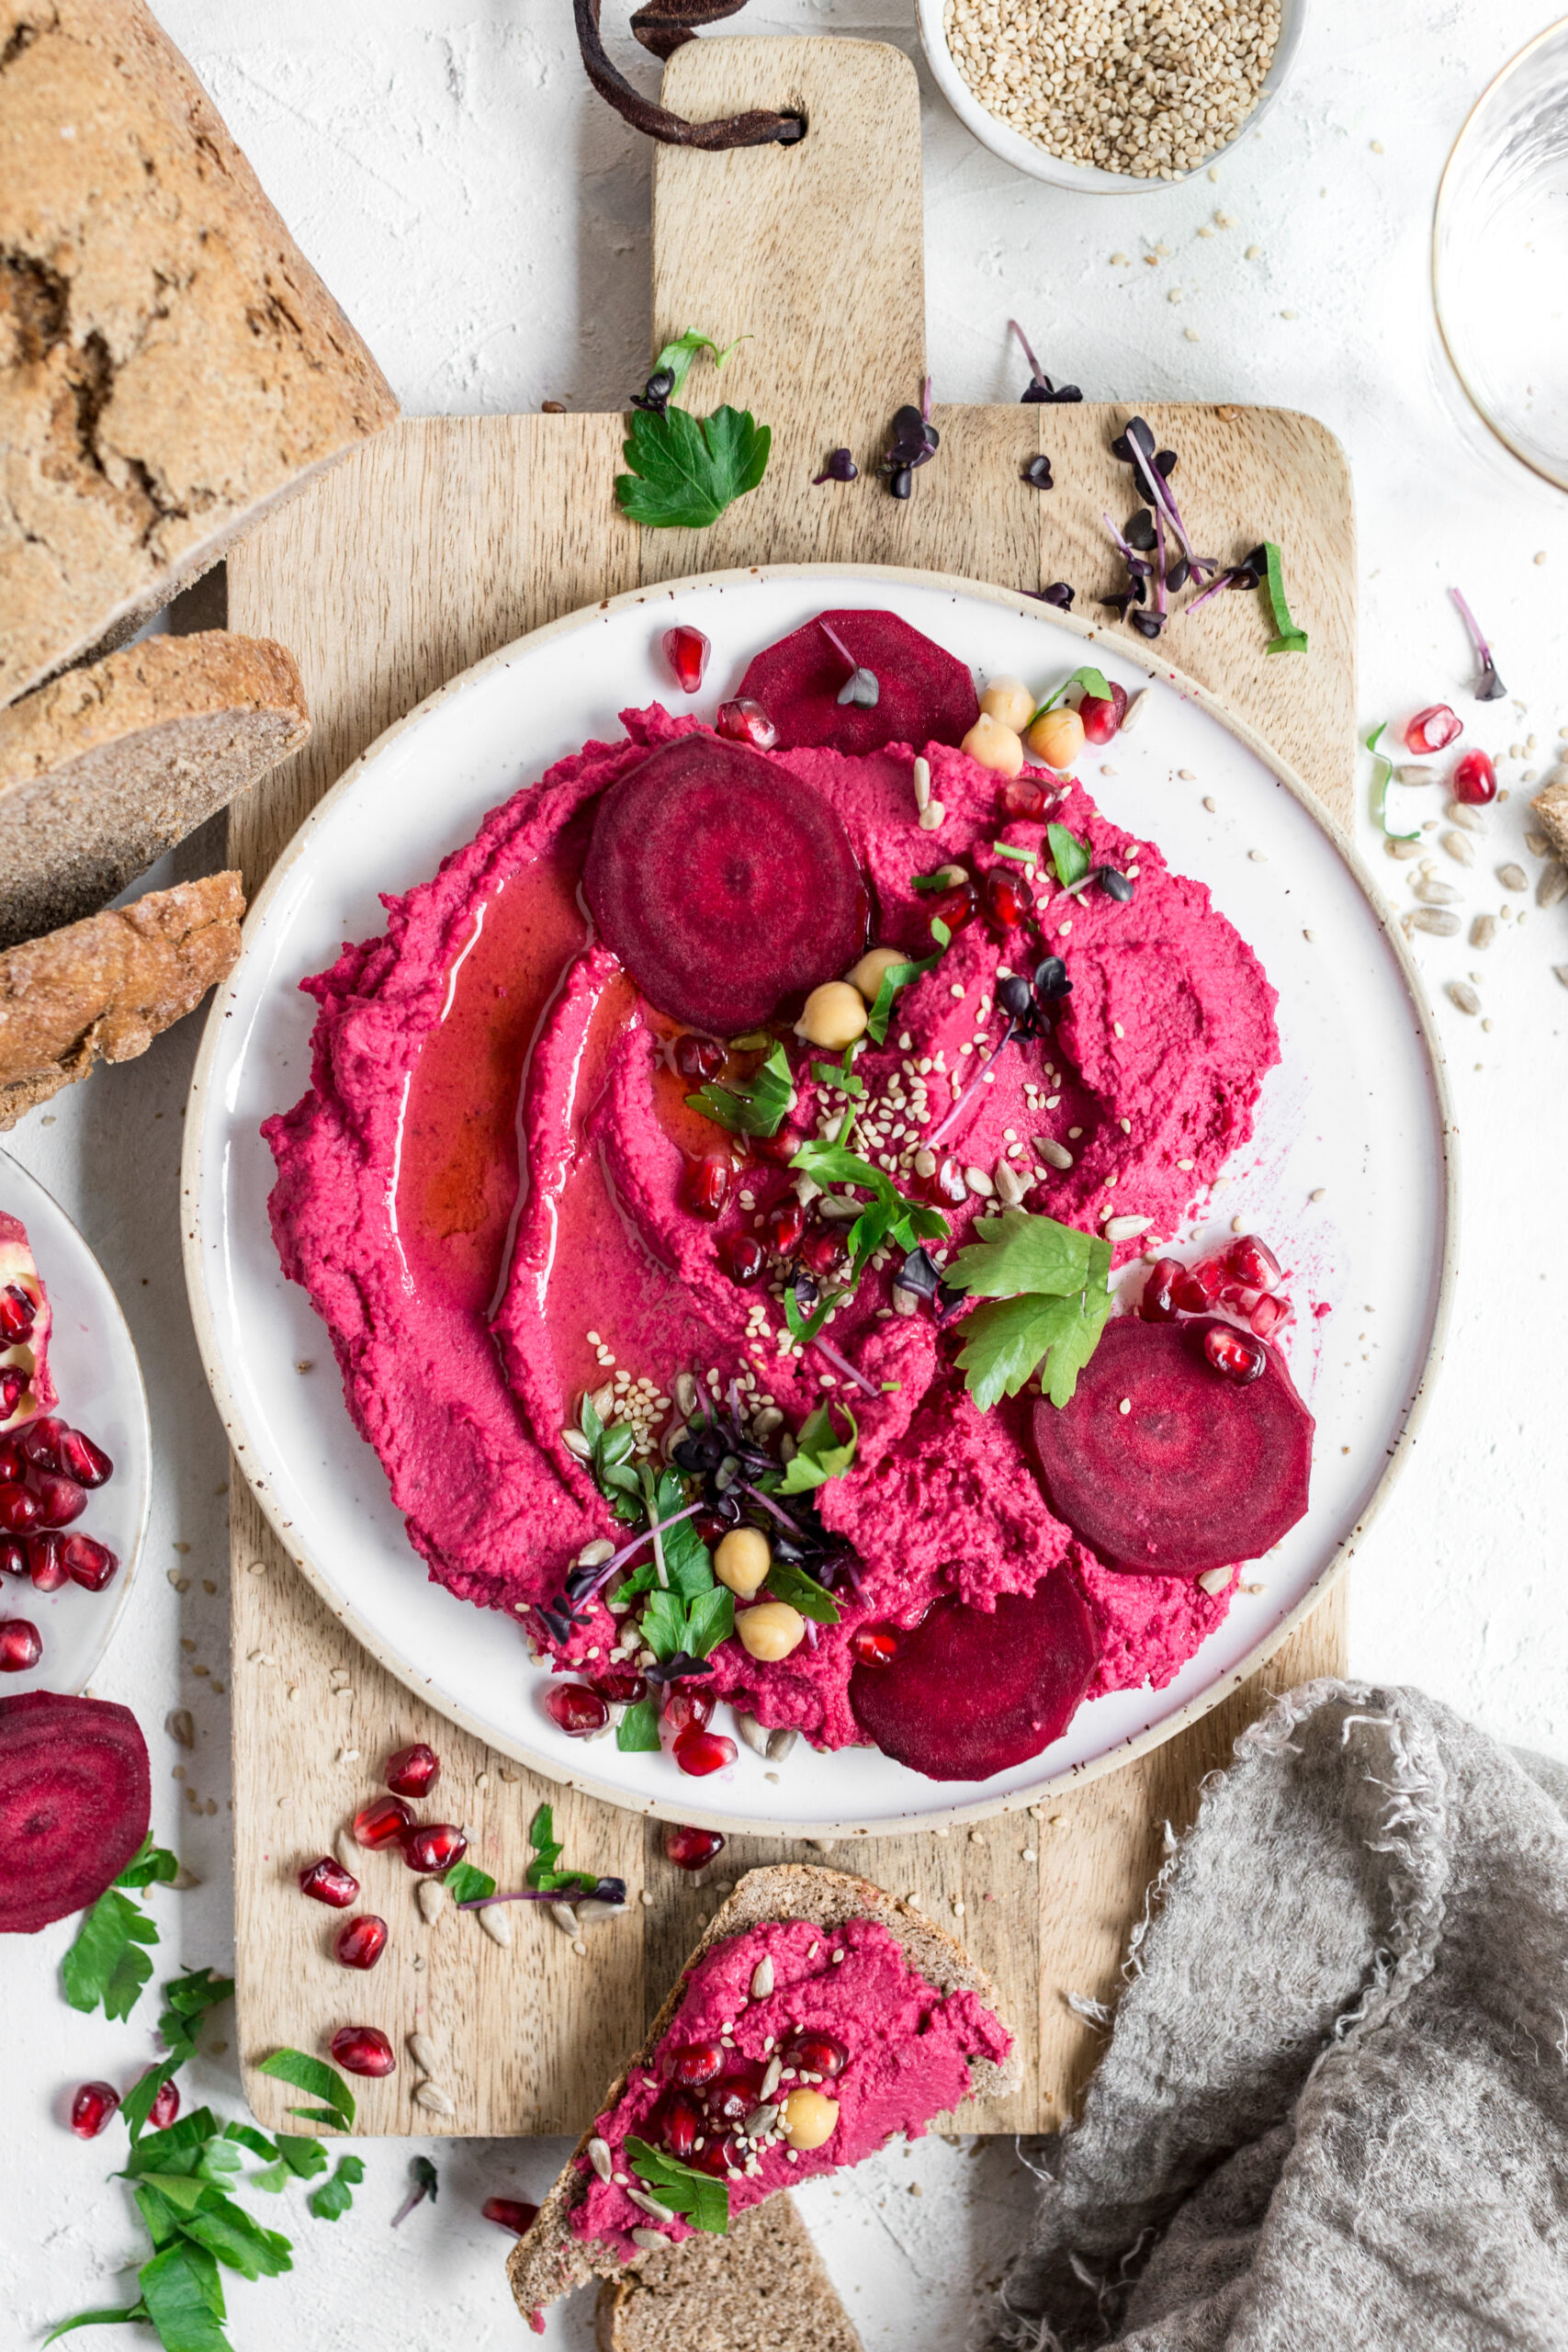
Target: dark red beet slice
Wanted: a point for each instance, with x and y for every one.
(725, 885)
(972, 1690)
(1198, 1473)
(925, 696)
(76, 1800)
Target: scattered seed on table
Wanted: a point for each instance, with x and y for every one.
(1464, 996)
(1483, 931)
(1459, 846)
(1441, 922)
(1513, 878)
(1552, 887)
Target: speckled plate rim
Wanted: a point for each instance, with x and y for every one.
(690, 1808)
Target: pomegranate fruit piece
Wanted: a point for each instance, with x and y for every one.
(577, 1709)
(363, 2050)
(684, 1711)
(1271, 1315)
(40, 1441)
(89, 1563)
(690, 1849)
(741, 1257)
(700, 1752)
(956, 907)
(699, 2062)
(26, 1387)
(22, 1645)
(1102, 720)
(513, 2213)
(725, 885)
(677, 2121)
(60, 1499)
(76, 1800)
(1253, 1263)
(622, 1686)
(359, 1943)
(876, 1645)
(1197, 1474)
(46, 1563)
(21, 1510)
(1158, 1302)
(733, 2097)
(704, 1185)
(14, 1462)
(13, 1389)
(84, 1462)
(780, 1148)
(699, 1058)
(165, 2105)
(816, 2054)
(925, 696)
(973, 1690)
(13, 1556)
(328, 1882)
(1024, 795)
(381, 1823)
(822, 1251)
(1009, 899)
(1201, 1284)
(784, 1225)
(92, 2108)
(19, 1313)
(434, 1846)
(1432, 730)
(1474, 780)
(412, 1771)
(686, 650)
(745, 721)
(1235, 1353)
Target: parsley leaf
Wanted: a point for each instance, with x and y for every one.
(610, 1460)
(638, 1731)
(465, 1884)
(757, 1105)
(817, 1456)
(150, 1864)
(1288, 637)
(677, 356)
(788, 1582)
(335, 2196)
(687, 469)
(321, 2081)
(1092, 681)
(186, 2000)
(105, 1963)
(1068, 855)
(1046, 1287)
(1006, 1338)
(541, 1872)
(1017, 1251)
(897, 977)
(705, 2202)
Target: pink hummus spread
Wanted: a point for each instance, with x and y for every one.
(483, 1189)
(903, 2051)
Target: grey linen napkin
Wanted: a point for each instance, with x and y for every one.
(1333, 2111)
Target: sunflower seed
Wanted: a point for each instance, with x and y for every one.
(180, 1726)
(1460, 847)
(1438, 921)
(594, 1555)
(932, 816)
(763, 1979)
(1056, 1155)
(650, 2205)
(922, 784)
(423, 2053)
(806, 1190)
(1560, 972)
(1011, 1186)
(651, 2241)
(1135, 710)
(1513, 878)
(1483, 931)
(1537, 845)
(565, 1917)
(761, 2118)
(1126, 1229)
(438, 2101)
(750, 1730)
(431, 1896)
(1214, 1580)
(593, 1914)
(1415, 775)
(1401, 849)
(767, 1421)
(496, 1921)
(1433, 893)
(950, 876)
(600, 2158)
(685, 1394)
(979, 1182)
(350, 1853)
(837, 1210)
(1552, 887)
(1462, 813)
(1464, 996)
(575, 1442)
(905, 1302)
(772, 2079)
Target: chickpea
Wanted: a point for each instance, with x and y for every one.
(742, 1560)
(1008, 700)
(867, 973)
(995, 746)
(834, 1017)
(1057, 739)
(809, 2118)
(771, 1630)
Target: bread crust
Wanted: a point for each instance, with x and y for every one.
(1551, 807)
(548, 2260)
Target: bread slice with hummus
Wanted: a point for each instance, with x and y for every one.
(762, 2288)
(799, 1963)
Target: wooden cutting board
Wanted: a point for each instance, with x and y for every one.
(447, 537)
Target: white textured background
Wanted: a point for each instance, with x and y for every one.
(484, 218)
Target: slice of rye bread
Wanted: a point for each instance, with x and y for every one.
(1551, 807)
(112, 765)
(548, 2260)
(763, 2287)
(105, 988)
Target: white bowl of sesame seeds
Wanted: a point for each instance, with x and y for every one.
(1111, 100)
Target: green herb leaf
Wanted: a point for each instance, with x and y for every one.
(1068, 855)
(137, 2310)
(1020, 856)
(1048, 1284)
(685, 469)
(229, 2234)
(1017, 1251)
(636, 1734)
(941, 932)
(177, 2148)
(834, 1074)
(149, 1865)
(788, 1582)
(818, 1455)
(757, 1105)
(104, 1964)
(1382, 776)
(304, 2158)
(705, 2202)
(335, 2196)
(1092, 681)
(184, 2299)
(897, 977)
(314, 2075)
(1288, 637)
(677, 356)
(465, 1884)
(542, 1840)
(664, 1625)
(710, 1618)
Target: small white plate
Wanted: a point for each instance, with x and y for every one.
(94, 1362)
(1356, 1112)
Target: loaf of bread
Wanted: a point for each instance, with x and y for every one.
(103, 989)
(110, 765)
(170, 364)
(762, 2288)
(1551, 807)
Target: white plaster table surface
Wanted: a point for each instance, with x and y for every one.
(485, 219)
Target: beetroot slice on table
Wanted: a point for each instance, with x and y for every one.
(1198, 1473)
(924, 694)
(972, 1690)
(726, 885)
(76, 1800)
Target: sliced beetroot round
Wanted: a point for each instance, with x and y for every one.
(972, 1690)
(924, 694)
(726, 885)
(76, 1800)
(1165, 1468)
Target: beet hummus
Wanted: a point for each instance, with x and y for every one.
(711, 1173)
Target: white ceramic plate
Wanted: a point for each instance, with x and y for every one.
(95, 1367)
(1354, 1114)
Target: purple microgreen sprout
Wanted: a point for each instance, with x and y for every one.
(426, 2184)
(841, 466)
(1247, 574)
(1135, 448)
(1037, 473)
(1058, 593)
(913, 441)
(1041, 388)
(1382, 776)
(1489, 687)
(602, 1890)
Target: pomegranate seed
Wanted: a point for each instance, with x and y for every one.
(1474, 780)
(876, 1645)
(720, 2156)
(743, 1259)
(436, 1845)
(699, 2062)
(1101, 718)
(684, 1711)
(577, 1709)
(19, 1313)
(1252, 1263)
(381, 1823)
(1158, 1303)
(359, 1943)
(1200, 1286)
(822, 1250)
(13, 1557)
(679, 2124)
(363, 2050)
(686, 650)
(1271, 1315)
(12, 1386)
(89, 1563)
(692, 1849)
(412, 1771)
(328, 1882)
(60, 1499)
(46, 1562)
(165, 2105)
(84, 1461)
(709, 1529)
(948, 1182)
(1235, 1353)
(13, 1461)
(745, 721)
(91, 2109)
(1009, 899)
(1024, 795)
(22, 1645)
(705, 1185)
(784, 1225)
(700, 1752)
(621, 1687)
(512, 2213)
(780, 1148)
(20, 1510)
(41, 1442)
(1432, 730)
(816, 2054)
(733, 2097)
(701, 1058)
(957, 907)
